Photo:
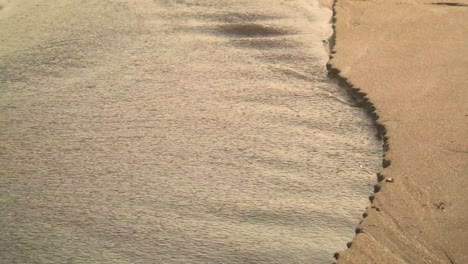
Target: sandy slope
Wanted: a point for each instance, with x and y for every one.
(411, 59)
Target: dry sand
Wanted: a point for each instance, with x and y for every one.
(410, 58)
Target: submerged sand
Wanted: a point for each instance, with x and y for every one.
(410, 58)
(138, 131)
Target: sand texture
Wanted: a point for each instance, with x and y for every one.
(410, 58)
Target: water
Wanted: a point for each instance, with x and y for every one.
(176, 132)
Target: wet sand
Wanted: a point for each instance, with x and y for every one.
(409, 58)
(176, 132)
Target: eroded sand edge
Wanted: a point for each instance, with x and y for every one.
(408, 58)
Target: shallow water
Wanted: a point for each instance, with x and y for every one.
(176, 132)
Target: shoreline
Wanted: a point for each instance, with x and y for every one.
(415, 219)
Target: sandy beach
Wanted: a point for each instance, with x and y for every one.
(140, 131)
(409, 60)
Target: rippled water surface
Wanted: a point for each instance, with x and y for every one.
(176, 132)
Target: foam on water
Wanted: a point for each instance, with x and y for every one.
(176, 132)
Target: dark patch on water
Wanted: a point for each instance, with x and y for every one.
(449, 4)
(250, 30)
(46, 59)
